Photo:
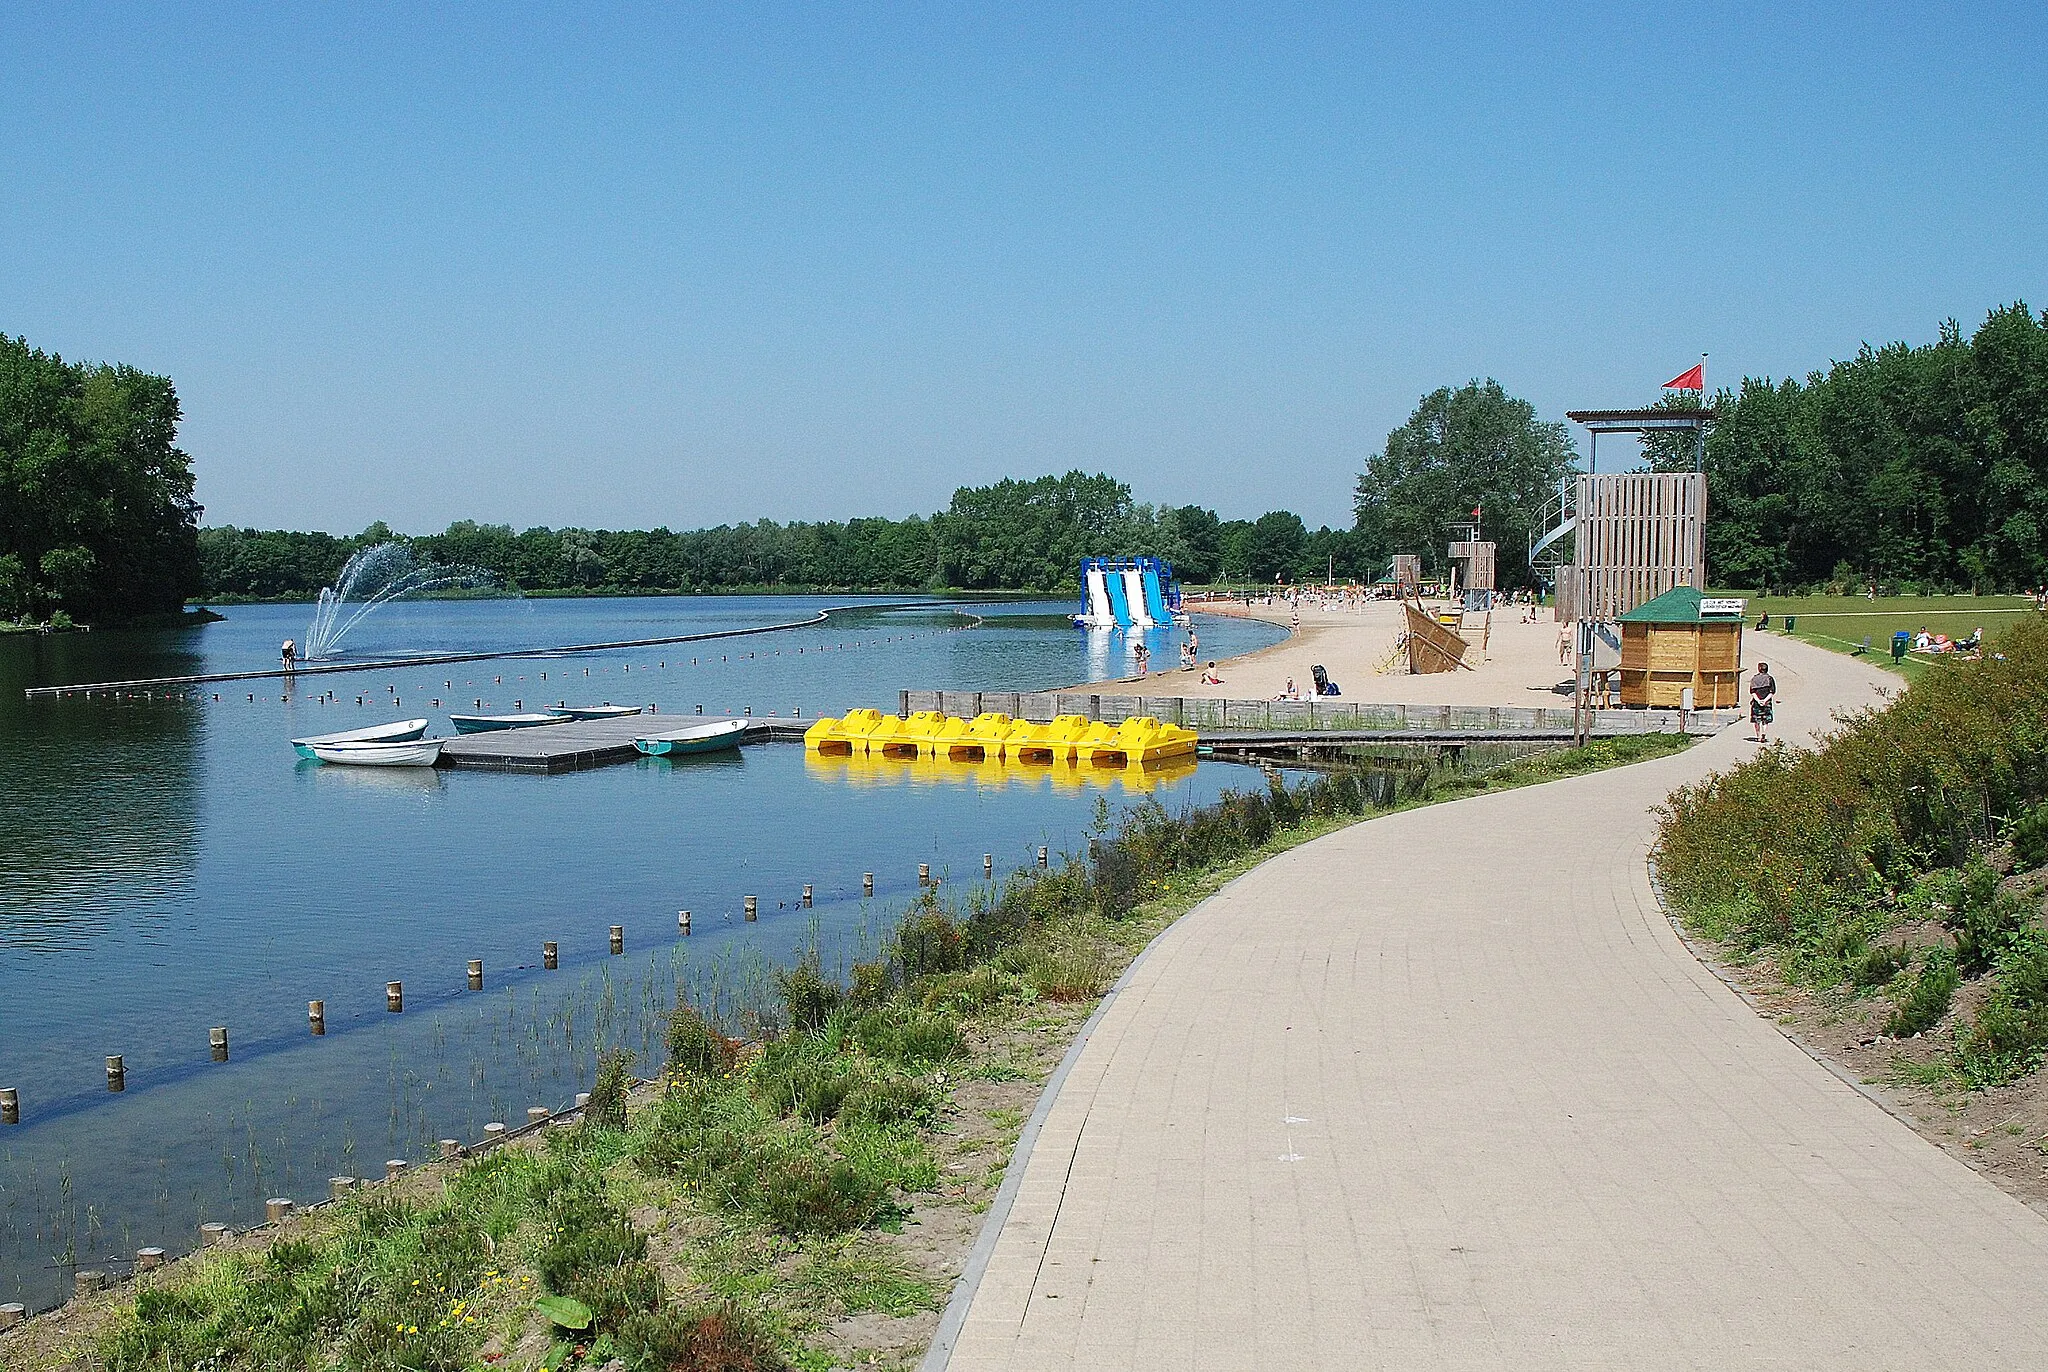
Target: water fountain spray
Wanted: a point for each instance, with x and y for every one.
(372, 577)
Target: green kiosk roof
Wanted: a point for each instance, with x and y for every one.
(1684, 605)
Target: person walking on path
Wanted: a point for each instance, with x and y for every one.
(1763, 694)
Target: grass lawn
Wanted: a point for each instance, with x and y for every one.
(1844, 622)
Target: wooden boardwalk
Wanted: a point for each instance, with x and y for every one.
(1371, 722)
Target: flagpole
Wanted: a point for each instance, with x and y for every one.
(1699, 439)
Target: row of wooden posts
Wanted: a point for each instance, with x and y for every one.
(277, 1209)
(394, 991)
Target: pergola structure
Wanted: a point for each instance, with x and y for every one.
(1599, 422)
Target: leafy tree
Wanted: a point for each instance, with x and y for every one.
(1472, 447)
(96, 506)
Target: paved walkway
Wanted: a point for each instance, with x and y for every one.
(1444, 1090)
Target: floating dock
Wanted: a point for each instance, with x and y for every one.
(585, 742)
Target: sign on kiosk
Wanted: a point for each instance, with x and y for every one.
(1721, 609)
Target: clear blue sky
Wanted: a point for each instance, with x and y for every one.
(626, 266)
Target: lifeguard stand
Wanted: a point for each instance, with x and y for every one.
(1635, 535)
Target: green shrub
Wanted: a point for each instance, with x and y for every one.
(607, 1107)
(873, 983)
(2030, 838)
(1879, 966)
(928, 941)
(904, 1035)
(695, 1049)
(887, 1100)
(798, 1076)
(1927, 999)
(586, 1234)
(807, 995)
(2007, 1038)
(1984, 919)
(721, 1339)
(809, 1192)
(1071, 968)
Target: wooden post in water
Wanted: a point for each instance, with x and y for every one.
(924, 874)
(338, 1187)
(537, 1114)
(316, 1016)
(548, 955)
(451, 1148)
(10, 1105)
(582, 1099)
(148, 1259)
(683, 923)
(618, 938)
(117, 1075)
(277, 1208)
(807, 895)
(476, 974)
(84, 1283)
(867, 883)
(213, 1234)
(12, 1313)
(988, 864)
(494, 1131)
(394, 997)
(217, 1039)
(1043, 855)
(394, 1168)
(752, 908)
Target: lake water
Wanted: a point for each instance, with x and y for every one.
(168, 865)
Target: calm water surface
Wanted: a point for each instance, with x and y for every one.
(168, 865)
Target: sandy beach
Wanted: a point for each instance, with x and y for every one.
(1518, 666)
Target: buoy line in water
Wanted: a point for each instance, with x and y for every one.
(393, 664)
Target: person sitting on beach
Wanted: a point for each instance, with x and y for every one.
(1209, 677)
(1292, 692)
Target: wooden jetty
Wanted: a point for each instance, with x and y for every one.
(1314, 716)
(585, 743)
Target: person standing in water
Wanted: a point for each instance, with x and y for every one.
(1763, 694)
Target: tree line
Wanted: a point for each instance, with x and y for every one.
(97, 519)
(1010, 536)
(1916, 468)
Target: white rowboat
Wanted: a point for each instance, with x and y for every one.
(404, 731)
(415, 753)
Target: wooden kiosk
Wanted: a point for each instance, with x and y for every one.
(1682, 639)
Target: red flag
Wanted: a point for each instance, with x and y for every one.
(1475, 511)
(1694, 380)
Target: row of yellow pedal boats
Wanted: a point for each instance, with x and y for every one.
(1072, 739)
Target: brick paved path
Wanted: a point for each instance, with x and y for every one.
(1327, 1126)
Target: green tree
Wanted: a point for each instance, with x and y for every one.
(96, 501)
(1475, 447)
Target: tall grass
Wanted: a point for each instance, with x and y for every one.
(1895, 821)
